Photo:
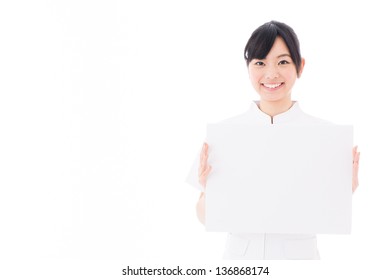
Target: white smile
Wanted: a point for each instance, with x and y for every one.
(272, 85)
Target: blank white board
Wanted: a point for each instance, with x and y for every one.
(279, 178)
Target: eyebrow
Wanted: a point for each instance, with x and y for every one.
(279, 56)
(285, 54)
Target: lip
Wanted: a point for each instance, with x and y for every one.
(272, 86)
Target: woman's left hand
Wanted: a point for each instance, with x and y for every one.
(355, 168)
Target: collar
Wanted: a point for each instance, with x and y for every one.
(292, 113)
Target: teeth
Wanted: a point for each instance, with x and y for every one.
(272, 85)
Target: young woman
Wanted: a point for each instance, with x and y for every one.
(274, 63)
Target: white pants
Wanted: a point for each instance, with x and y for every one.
(241, 246)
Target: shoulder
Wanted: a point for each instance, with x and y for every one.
(309, 119)
(237, 119)
(305, 118)
(252, 115)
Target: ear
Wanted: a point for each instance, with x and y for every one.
(302, 66)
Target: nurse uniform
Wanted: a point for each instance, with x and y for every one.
(266, 245)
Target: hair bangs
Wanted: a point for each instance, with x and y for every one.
(260, 43)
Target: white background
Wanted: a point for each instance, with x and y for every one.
(104, 105)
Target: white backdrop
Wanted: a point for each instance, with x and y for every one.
(104, 105)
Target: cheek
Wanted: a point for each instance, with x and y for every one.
(254, 77)
(290, 77)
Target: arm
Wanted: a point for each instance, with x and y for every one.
(203, 172)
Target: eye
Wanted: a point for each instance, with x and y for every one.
(284, 62)
(259, 63)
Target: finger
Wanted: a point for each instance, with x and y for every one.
(204, 154)
(356, 158)
(203, 162)
(356, 163)
(203, 179)
(202, 159)
(354, 149)
(202, 151)
(204, 175)
(207, 171)
(355, 172)
(201, 168)
(206, 146)
(205, 151)
(203, 165)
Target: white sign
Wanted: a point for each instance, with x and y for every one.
(279, 179)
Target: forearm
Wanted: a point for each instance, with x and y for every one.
(200, 208)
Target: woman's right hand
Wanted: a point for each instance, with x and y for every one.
(204, 168)
(203, 172)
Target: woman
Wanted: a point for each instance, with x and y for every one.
(274, 63)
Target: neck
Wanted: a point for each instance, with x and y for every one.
(275, 108)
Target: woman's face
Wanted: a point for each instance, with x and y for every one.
(273, 77)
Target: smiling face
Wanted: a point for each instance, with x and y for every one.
(274, 76)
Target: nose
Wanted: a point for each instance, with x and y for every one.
(272, 73)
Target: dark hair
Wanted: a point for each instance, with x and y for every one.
(263, 38)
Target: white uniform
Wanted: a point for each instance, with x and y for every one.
(266, 245)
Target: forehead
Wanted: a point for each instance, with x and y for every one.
(278, 48)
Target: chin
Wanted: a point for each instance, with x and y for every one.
(271, 98)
